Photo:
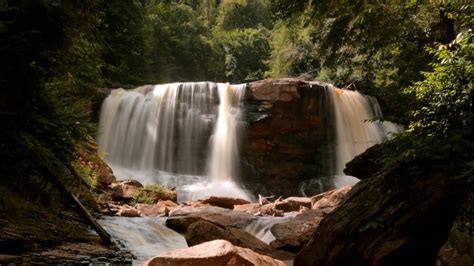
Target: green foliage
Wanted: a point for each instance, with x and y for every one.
(141, 197)
(157, 188)
(242, 14)
(440, 132)
(178, 45)
(87, 174)
(245, 52)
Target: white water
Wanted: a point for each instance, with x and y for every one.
(162, 134)
(145, 237)
(356, 129)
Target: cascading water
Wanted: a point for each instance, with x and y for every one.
(160, 134)
(352, 129)
(145, 237)
(356, 129)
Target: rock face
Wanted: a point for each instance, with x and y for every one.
(391, 218)
(287, 123)
(217, 252)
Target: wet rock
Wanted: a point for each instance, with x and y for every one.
(217, 252)
(202, 231)
(224, 202)
(181, 218)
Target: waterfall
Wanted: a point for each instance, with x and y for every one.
(356, 127)
(161, 134)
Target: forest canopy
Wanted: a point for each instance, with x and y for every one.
(415, 57)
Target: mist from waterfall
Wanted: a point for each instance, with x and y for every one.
(180, 135)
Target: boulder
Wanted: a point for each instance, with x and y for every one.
(127, 211)
(224, 202)
(202, 231)
(394, 217)
(161, 208)
(252, 208)
(294, 233)
(125, 190)
(163, 194)
(329, 200)
(293, 204)
(217, 252)
(181, 218)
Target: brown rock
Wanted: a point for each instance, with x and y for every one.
(274, 90)
(217, 252)
(224, 202)
(293, 204)
(293, 234)
(270, 210)
(161, 208)
(125, 190)
(329, 200)
(202, 231)
(395, 217)
(127, 211)
(252, 208)
(181, 218)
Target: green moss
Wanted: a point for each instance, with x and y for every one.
(155, 188)
(88, 174)
(142, 196)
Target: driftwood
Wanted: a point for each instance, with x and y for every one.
(81, 210)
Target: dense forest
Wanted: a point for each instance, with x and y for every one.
(415, 57)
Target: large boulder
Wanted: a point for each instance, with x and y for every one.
(180, 219)
(202, 231)
(217, 252)
(395, 217)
